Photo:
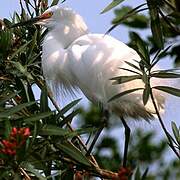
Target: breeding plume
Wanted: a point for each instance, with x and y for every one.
(73, 58)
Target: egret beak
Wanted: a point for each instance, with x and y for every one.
(40, 20)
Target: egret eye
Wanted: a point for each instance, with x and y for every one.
(47, 15)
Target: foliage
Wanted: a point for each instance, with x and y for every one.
(37, 141)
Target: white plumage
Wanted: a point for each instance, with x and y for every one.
(75, 59)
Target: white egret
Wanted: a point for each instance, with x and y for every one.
(73, 58)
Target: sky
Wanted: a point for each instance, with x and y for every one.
(99, 23)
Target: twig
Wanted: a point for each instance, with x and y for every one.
(163, 126)
(24, 173)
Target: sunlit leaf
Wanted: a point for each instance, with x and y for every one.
(113, 4)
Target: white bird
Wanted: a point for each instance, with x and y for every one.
(73, 58)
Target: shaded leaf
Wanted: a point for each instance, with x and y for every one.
(54, 2)
(8, 97)
(146, 94)
(144, 176)
(51, 130)
(176, 131)
(155, 23)
(15, 109)
(74, 153)
(113, 4)
(137, 174)
(68, 118)
(67, 108)
(170, 90)
(162, 74)
(124, 79)
(141, 47)
(124, 93)
(37, 117)
(22, 69)
(29, 167)
(21, 49)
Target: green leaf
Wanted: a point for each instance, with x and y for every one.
(133, 65)
(32, 44)
(44, 100)
(170, 90)
(141, 47)
(22, 69)
(20, 50)
(15, 109)
(8, 128)
(124, 93)
(126, 16)
(68, 118)
(176, 132)
(162, 74)
(113, 4)
(51, 130)
(67, 108)
(144, 176)
(8, 97)
(155, 23)
(146, 94)
(37, 117)
(29, 167)
(137, 174)
(54, 2)
(124, 79)
(74, 153)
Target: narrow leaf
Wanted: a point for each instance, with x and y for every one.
(67, 108)
(124, 79)
(54, 2)
(37, 117)
(21, 49)
(15, 109)
(124, 93)
(144, 176)
(176, 132)
(155, 23)
(170, 90)
(146, 94)
(8, 97)
(50, 130)
(74, 153)
(163, 74)
(113, 4)
(29, 167)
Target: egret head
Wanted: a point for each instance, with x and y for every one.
(56, 15)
